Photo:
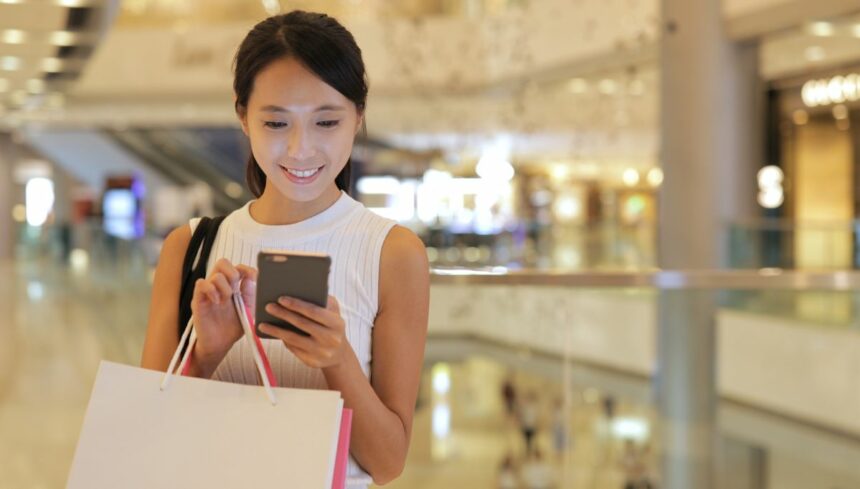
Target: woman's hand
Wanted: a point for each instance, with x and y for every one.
(326, 345)
(215, 318)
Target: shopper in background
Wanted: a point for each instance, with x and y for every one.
(508, 477)
(634, 467)
(509, 395)
(528, 412)
(560, 438)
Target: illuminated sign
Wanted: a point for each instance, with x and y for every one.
(770, 195)
(836, 90)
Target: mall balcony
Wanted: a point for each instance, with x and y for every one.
(642, 221)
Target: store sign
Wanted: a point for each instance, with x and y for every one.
(836, 90)
(770, 194)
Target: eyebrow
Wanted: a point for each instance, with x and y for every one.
(321, 108)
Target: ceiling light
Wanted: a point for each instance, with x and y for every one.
(814, 53)
(630, 177)
(855, 30)
(559, 172)
(10, 63)
(52, 65)
(770, 176)
(63, 38)
(13, 36)
(273, 7)
(655, 177)
(821, 29)
(11, 2)
(72, 3)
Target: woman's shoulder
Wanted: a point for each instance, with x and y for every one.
(403, 241)
(404, 252)
(173, 249)
(177, 240)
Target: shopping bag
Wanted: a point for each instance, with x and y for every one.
(149, 429)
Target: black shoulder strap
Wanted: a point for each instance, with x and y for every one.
(194, 264)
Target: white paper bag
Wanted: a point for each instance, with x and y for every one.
(203, 434)
(198, 433)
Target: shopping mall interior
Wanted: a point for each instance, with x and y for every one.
(641, 218)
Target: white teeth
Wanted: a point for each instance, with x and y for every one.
(303, 173)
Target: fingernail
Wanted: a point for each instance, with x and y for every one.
(285, 300)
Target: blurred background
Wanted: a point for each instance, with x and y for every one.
(641, 215)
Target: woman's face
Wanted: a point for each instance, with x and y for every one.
(301, 130)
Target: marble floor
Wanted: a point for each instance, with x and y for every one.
(58, 322)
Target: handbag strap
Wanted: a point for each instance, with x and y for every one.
(195, 263)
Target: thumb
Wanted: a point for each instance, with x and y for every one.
(333, 304)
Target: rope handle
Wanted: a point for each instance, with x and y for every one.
(260, 359)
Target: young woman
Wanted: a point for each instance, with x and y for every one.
(300, 90)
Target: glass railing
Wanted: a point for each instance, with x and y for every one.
(604, 245)
(782, 243)
(654, 376)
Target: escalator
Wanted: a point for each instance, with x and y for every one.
(187, 156)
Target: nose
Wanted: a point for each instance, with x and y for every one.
(299, 145)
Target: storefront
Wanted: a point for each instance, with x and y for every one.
(815, 129)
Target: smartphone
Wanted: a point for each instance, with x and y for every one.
(293, 274)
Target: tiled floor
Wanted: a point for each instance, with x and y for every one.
(63, 323)
(53, 338)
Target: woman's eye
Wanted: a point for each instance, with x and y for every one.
(274, 124)
(328, 123)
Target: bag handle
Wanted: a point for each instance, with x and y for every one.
(260, 359)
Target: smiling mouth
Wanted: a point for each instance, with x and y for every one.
(302, 173)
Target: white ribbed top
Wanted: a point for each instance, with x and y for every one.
(353, 237)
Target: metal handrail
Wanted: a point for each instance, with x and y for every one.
(767, 278)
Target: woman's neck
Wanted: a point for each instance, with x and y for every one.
(273, 208)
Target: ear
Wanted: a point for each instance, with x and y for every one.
(358, 123)
(242, 114)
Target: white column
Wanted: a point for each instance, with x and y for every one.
(712, 135)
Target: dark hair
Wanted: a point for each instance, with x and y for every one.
(317, 41)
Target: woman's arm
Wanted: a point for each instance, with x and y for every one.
(382, 425)
(161, 331)
(383, 407)
(215, 320)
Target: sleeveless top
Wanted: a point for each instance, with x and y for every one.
(353, 236)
